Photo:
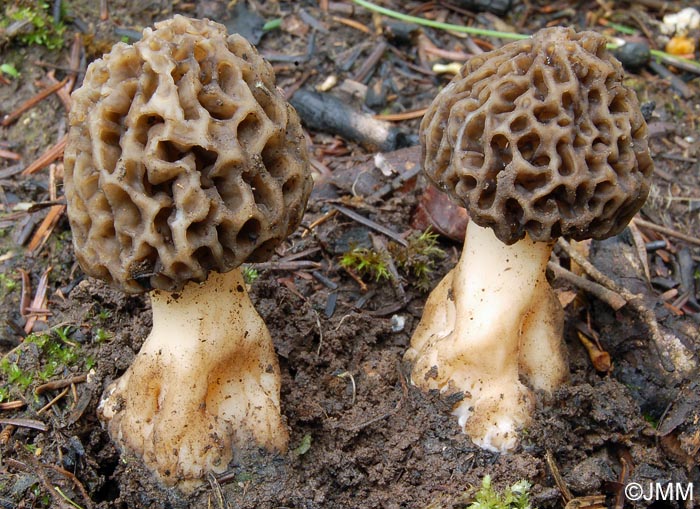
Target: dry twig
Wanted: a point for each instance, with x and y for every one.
(371, 224)
(39, 301)
(666, 231)
(45, 229)
(53, 401)
(7, 154)
(218, 492)
(371, 62)
(50, 155)
(635, 301)
(558, 479)
(38, 469)
(325, 217)
(352, 24)
(611, 298)
(31, 102)
(60, 384)
(76, 482)
(287, 266)
(358, 279)
(26, 295)
(398, 117)
(12, 405)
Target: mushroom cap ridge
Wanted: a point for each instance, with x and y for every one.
(182, 157)
(541, 137)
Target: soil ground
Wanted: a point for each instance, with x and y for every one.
(360, 434)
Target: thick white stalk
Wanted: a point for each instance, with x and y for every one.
(204, 385)
(490, 320)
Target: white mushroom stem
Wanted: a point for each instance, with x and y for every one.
(205, 384)
(491, 320)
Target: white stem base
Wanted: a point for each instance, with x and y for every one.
(491, 319)
(205, 383)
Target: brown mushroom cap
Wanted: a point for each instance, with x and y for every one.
(541, 137)
(182, 157)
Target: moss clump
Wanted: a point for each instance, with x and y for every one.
(514, 497)
(419, 258)
(33, 23)
(39, 358)
(367, 261)
(416, 260)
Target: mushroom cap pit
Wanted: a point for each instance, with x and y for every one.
(541, 137)
(182, 157)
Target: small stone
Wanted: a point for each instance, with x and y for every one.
(398, 323)
(633, 55)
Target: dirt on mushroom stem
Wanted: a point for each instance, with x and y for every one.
(183, 161)
(507, 138)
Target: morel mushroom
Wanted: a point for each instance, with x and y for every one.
(537, 139)
(183, 161)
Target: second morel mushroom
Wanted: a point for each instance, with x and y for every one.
(184, 160)
(538, 139)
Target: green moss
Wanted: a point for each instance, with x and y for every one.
(7, 284)
(90, 362)
(57, 352)
(304, 446)
(103, 314)
(243, 477)
(38, 26)
(514, 497)
(652, 420)
(367, 261)
(15, 375)
(250, 274)
(12, 71)
(101, 335)
(40, 357)
(418, 259)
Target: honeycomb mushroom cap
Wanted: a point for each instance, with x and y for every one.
(182, 157)
(541, 137)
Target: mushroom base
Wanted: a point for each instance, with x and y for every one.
(204, 386)
(492, 320)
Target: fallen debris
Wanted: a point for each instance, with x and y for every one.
(326, 113)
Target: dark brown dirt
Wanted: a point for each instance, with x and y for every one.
(361, 436)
